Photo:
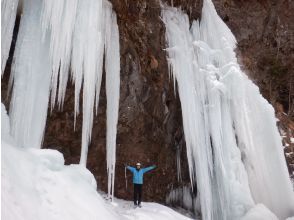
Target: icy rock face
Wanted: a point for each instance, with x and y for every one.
(65, 35)
(230, 131)
(8, 14)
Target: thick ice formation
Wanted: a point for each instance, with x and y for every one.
(67, 36)
(30, 76)
(8, 14)
(112, 68)
(233, 145)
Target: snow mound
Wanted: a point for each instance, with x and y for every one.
(36, 185)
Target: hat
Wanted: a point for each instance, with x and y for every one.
(138, 164)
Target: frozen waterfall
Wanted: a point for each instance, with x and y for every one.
(233, 146)
(60, 40)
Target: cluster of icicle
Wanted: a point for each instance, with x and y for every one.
(233, 146)
(58, 40)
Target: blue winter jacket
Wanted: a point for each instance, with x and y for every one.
(138, 174)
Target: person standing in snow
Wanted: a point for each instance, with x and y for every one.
(138, 173)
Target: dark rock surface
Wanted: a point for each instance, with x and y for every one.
(150, 124)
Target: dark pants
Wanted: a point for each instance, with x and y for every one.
(137, 194)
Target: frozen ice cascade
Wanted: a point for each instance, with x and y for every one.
(60, 40)
(233, 146)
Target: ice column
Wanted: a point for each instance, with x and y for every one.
(112, 68)
(30, 77)
(180, 59)
(87, 62)
(8, 14)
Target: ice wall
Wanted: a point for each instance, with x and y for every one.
(233, 146)
(8, 14)
(59, 40)
(30, 77)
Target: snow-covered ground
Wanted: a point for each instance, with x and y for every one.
(36, 185)
(149, 211)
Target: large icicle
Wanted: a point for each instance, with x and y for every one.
(218, 125)
(180, 59)
(112, 68)
(31, 79)
(8, 14)
(87, 62)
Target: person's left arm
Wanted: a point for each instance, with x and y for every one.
(148, 168)
(132, 169)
